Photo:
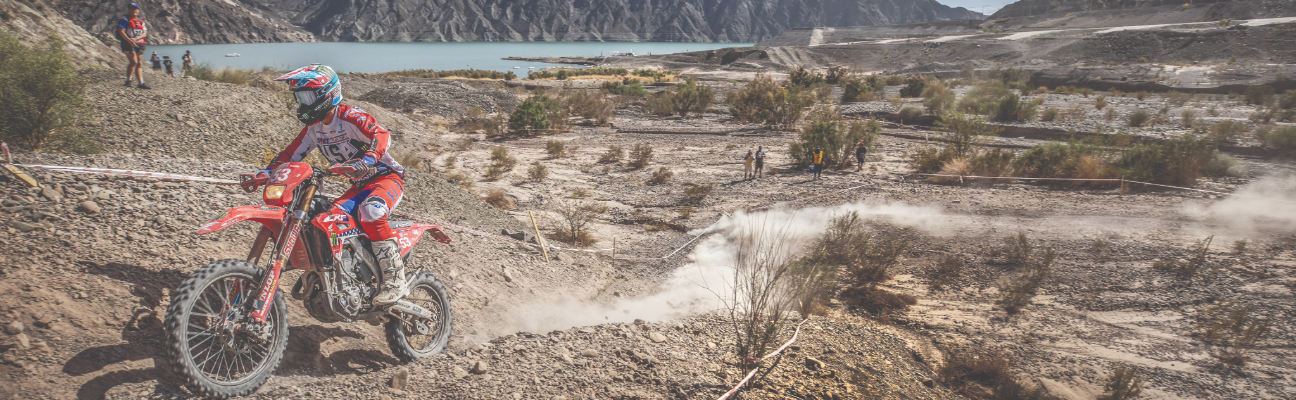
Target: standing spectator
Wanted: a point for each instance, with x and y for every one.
(760, 160)
(157, 62)
(860, 153)
(188, 62)
(818, 156)
(131, 33)
(749, 166)
(170, 69)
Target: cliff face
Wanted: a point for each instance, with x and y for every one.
(33, 20)
(190, 21)
(598, 20)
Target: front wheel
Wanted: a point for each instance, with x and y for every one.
(411, 338)
(211, 343)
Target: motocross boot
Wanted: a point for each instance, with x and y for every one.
(389, 259)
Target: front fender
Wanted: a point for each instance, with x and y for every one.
(270, 216)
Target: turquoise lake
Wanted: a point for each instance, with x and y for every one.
(382, 57)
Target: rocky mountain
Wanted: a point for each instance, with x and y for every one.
(33, 20)
(192, 21)
(239, 21)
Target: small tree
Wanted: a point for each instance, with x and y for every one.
(575, 219)
(40, 95)
(640, 155)
(963, 132)
(530, 117)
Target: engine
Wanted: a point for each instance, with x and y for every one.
(338, 294)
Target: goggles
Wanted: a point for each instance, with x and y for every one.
(305, 97)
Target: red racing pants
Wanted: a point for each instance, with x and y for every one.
(372, 203)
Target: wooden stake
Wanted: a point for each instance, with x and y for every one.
(543, 248)
(1122, 192)
(614, 247)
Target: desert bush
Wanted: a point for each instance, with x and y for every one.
(555, 148)
(1100, 102)
(909, 113)
(1123, 384)
(855, 90)
(1139, 118)
(1050, 114)
(460, 179)
(947, 272)
(1176, 161)
(760, 296)
(1178, 99)
(1278, 138)
(565, 73)
(1227, 132)
(691, 97)
(983, 374)
(498, 199)
(914, 86)
(1010, 108)
(1142, 95)
(1234, 330)
(538, 172)
(613, 155)
(937, 98)
(457, 73)
(450, 162)
(1063, 160)
(229, 75)
(866, 257)
(1009, 75)
(1259, 95)
(1188, 117)
(837, 74)
(501, 162)
(627, 87)
(766, 101)
(1287, 101)
(42, 96)
(531, 117)
(409, 159)
(968, 72)
(685, 211)
(575, 218)
(894, 80)
(661, 104)
(827, 129)
(1223, 165)
(1086, 92)
(963, 133)
(591, 105)
(1018, 292)
(930, 160)
(983, 98)
(661, 176)
(640, 155)
(1239, 247)
(1190, 267)
(800, 76)
(695, 193)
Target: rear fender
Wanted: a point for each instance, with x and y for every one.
(270, 216)
(410, 235)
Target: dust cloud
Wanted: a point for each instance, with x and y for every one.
(700, 285)
(1265, 206)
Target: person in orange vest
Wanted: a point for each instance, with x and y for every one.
(818, 157)
(749, 166)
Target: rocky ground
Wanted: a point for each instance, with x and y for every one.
(88, 264)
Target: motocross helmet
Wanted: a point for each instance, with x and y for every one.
(317, 89)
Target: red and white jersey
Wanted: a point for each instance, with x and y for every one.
(354, 134)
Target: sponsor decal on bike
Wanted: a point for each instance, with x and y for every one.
(270, 208)
(263, 302)
(333, 240)
(292, 241)
(335, 218)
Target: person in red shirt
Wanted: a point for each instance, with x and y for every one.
(131, 35)
(351, 137)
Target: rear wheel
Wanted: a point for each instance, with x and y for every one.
(411, 338)
(211, 345)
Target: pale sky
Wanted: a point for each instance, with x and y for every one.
(976, 5)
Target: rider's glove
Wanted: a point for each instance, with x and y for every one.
(257, 180)
(354, 169)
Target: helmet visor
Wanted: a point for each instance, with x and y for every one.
(305, 97)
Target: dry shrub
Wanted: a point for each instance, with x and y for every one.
(866, 256)
(1012, 109)
(763, 293)
(1259, 95)
(460, 179)
(661, 176)
(837, 74)
(1123, 384)
(947, 273)
(695, 193)
(640, 155)
(575, 218)
(1064, 160)
(1139, 118)
(1227, 132)
(555, 148)
(1142, 94)
(1190, 267)
(1234, 330)
(1177, 162)
(772, 103)
(984, 374)
(591, 105)
(909, 113)
(1282, 139)
(497, 198)
(1188, 117)
(959, 166)
(613, 155)
(857, 90)
(1100, 102)
(937, 98)
(501, 162)
(915, 85)
(685, 212)
(1035, 270)
(409, 160)
(538, 172)
(1051, 114)
(827, 129)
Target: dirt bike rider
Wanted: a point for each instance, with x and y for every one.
(350, 138)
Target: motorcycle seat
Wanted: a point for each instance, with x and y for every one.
(400, 224)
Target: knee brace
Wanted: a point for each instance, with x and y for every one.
(373, 209)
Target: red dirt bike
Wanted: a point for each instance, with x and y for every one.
(227, 325)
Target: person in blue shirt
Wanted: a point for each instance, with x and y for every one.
(131, 36)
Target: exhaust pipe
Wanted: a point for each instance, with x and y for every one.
(406, 307)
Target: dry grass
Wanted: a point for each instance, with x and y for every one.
(497, 198)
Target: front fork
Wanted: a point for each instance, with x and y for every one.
(289, 234)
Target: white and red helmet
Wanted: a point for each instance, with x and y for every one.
(317, 89)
